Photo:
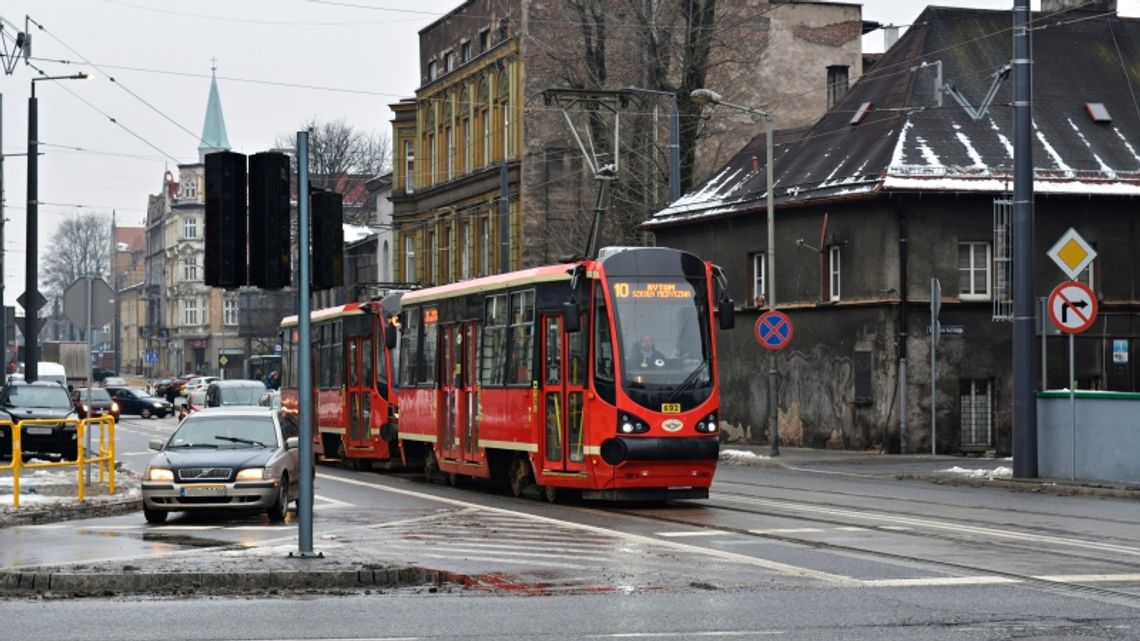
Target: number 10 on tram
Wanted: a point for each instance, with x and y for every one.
(597, 377)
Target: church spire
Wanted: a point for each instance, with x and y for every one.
(214, 130)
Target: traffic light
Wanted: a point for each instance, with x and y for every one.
(225, 219)
(327, 218)
(269, 220)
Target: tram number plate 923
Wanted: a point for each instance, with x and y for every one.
(670, 408)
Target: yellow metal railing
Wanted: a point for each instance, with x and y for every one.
(105, 454)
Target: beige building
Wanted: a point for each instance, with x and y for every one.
(487, 175)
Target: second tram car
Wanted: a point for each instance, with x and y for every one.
(354, 390)
(596, 377)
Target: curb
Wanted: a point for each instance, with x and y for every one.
(105, 583)
(1060, 488)
(53, 514)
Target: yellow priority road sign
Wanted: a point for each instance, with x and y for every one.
(1072, 253)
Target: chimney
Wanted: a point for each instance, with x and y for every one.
(890, 36)
(1097, 6)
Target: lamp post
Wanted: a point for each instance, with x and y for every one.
(707, 96)
(31, 276)
(674, 140)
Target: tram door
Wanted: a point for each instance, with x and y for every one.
(357, 387)
(460, 436)
(563, 389)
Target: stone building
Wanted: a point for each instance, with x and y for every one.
(899, 186)
(128, 276)
(487, 175)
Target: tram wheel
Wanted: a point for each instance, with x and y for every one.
(453, 479)
(520, 475)
(550, 493)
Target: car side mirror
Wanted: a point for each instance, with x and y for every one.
(292, 443)
(156, 444)
(725, 314)
(571, 320)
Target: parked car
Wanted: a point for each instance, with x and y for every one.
(133, 400)
(234, 392)
(198, 382)
(100, 400)
(196, 401)
(160, 387)
(224, 458)
(21, 400)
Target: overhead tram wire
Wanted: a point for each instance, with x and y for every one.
(116, 82)
(108, 116)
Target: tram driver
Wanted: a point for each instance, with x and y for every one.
(646, 355)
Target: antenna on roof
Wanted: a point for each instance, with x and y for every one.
(996, 78)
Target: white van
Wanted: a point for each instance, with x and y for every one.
(48, 371)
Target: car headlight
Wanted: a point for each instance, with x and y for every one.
(253, 474)
(114, 406)
(159, 474)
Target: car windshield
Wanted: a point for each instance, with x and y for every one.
(46, 396)
(198, 397)
(137, 393)
(230, 432)
(241, 395)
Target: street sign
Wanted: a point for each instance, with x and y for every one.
(1120, 351)
(37, 297)
(1072, 307)
(222, 360)
(1072, 254)
(102, 302)
(152, 357)
(774, 330)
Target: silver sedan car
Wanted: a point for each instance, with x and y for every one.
(224, 458)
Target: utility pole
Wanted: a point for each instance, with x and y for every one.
(1024, 401)
(31, 257)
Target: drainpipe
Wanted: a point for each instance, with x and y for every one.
(902, 326)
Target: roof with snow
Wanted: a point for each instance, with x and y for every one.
(907, 141)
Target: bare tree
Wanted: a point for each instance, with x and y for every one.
(81, 246)
(338, 149)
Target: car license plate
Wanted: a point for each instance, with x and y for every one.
(204, 490)
(37, 430)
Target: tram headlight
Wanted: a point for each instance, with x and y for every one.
(708, 425)
(630, 424)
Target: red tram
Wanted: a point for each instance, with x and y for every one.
(354, 395)
(597, 377)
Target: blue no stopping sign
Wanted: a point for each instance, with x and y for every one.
(774, 330)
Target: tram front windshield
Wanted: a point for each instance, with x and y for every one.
(663, 339)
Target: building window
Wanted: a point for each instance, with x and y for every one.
(977, 413)
(833, 272)
(484, 40)
(190, 312)
(190, 227)
(432, 70)
(230, 311)
(190, 189)
(484, 246)
(446, 274)
(974, 270)
(430, 264)
(449, 62)
(759, 270)
(190, 268)
(465, 52)
(450, 133)
(464, 250)
(409, 258)
(409, 165)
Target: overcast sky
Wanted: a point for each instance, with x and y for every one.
(279, 62)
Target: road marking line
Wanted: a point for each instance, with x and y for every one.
(895, 528)
(1089, 578)
(937, 525)
(686, 635)
(732, 557)
(940, 581)
(787, 530)
(478, 548)
(682, 535)
(495, 559)
(851, 528)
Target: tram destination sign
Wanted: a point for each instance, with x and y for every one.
(651, 289)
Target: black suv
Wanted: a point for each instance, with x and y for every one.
(20, 400)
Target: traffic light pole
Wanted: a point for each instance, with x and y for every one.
(304, 355)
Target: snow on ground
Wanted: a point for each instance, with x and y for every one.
(997, 472)
(741, 456)
(57, 486)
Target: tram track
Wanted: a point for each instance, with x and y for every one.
(1044, 582)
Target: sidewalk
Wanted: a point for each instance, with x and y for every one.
(356, 562)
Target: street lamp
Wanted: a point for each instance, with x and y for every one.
(674, 140)
(32, 294)
(707, 96)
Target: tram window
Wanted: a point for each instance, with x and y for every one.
(577, 345)
(493, 352)
(408, 352)
(366, 363)
(603, 346)
(431, 325)
(522, 337)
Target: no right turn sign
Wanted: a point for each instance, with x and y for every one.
(1072, 307)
